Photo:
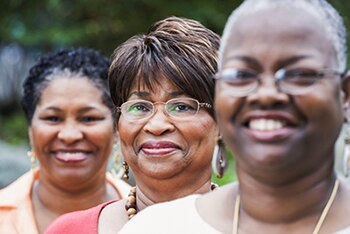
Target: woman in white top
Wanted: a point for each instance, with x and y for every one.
(282, 93)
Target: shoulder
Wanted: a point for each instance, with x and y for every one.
(85, 221)
(20, 189)
(215, 199)
(178, 216)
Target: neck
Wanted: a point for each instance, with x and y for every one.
(281, 203)
(149, 196)
(57, 200)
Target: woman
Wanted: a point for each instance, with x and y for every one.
(71, 130)
(280, 99)
(162, 86)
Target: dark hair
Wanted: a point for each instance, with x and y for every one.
(80, 62)
(178, 49)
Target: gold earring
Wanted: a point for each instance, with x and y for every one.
(219, 160)
(126, 170)
(117, 165)
(32, 159)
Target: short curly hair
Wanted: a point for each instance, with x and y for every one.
(76, 62)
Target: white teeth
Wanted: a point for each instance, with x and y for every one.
(266, 124)
(71, 156)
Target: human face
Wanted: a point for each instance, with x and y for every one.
(269, 130)
(71, 132)
(161, 147)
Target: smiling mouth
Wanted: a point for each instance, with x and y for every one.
(266, 124)
(158, 151)
(158, 148)
(71, 156)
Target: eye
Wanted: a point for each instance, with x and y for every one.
(51, 119)
(89, 119)
(182, 106)
(300, 77)
(239, 76)
(138, 107)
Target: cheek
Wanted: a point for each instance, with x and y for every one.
(101, 135)
(127, 131)
(325, 104)
(127, 135)
(323, 113)
(41, 136)
(226, 108)
(202, 133)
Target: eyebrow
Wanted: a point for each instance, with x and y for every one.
(279, 64)
(82, 110)
(53, 108)
(147, 94)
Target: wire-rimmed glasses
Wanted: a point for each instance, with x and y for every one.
(293, 81)
(178, 108)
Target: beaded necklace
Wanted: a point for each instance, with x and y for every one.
(130, 205)
(319, 223)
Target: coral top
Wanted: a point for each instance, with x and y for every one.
(85, 221)
(16, 208)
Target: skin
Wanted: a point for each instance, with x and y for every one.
(172, 175)
(285, 176)
(65, 122)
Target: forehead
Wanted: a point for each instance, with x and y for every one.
(278, 30)
(72, 89)
(153, 85)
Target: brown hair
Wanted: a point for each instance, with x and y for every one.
(178, 49)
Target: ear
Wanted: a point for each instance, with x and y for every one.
(346, 94)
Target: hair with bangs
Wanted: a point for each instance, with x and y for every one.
(178, 49)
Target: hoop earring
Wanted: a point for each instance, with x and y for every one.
(219, 160)
(126, 170)
(32, 159)
(346, 150)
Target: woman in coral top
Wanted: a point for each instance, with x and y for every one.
(71, 130)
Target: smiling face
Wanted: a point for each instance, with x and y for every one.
(268, 130)
(160, 147)
(71, 132)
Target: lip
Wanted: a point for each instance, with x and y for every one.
(71, 156)
(287, 125)
(158, 148)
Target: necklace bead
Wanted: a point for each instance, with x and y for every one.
(130, 205)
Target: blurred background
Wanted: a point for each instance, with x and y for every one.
(29, 28)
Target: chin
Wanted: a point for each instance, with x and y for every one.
(159, 172)
(269, 158)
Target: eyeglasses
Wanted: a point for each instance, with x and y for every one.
(178, 108)
(294, 81)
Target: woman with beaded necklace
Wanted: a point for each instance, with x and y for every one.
(282, 94)
(162, 85)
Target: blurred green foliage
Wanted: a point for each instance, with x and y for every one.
(13, 128)
(102, 24)
(46, 25)
(230, 173)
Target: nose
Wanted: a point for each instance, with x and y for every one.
(159, 123)
(268, 94)
(70, 133)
